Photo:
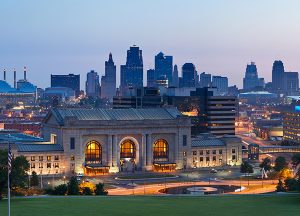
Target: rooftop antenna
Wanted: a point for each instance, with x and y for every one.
(4, 74)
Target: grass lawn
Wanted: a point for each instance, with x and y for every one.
(134, 206)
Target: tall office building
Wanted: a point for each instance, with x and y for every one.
(291, 83)
(163, 67)
(189, 75)
(92, 86)
(71, 81)
(205, 80)
(132, 71)
(251, 80)
(108, 81)
(175, 79)
(151, 82)
(278, 76)
(221, 83)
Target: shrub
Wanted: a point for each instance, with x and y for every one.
(100, 189)
(60, 190)
(73, 188)
(86, 191)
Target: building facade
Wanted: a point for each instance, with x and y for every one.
(163, 67)
(189, 75)
(251, 80)
(132, 71)
(92, 86)
(221, 83)
(71, 81)
(291, 125)
(108, 82)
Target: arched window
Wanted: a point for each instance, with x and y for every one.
(127, 149)
(161, 149)
(93, 152)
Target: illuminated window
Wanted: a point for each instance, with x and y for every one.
(160, 149)
(53, 138)
(72, 158)
(93, 152)
(127, 149)
(56, 165)
(48, 158)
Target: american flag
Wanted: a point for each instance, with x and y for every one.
(9, 158)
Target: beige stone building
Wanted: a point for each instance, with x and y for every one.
(100, 141)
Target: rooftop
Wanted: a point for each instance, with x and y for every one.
(207, 142)
(39, 148)
(117, 114)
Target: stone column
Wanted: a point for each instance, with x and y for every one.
(143, 157)
(109, 149)
(114, 165)
(149, 151)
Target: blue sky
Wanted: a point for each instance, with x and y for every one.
(218, 36)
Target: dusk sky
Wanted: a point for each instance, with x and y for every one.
(219, 36)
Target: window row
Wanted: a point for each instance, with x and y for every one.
(201, 152)
(41, 165)
(41, 158)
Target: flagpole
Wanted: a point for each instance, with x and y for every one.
(8, 192)
(9, 163)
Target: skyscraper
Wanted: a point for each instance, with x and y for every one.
(205, 80)
(189, 75)
(92, 86)
(278, 76)
(163, 66)
(251, 79)
(108, 81)
(132, 71)
(151, 78)
(291, 83)
(71, 81)
(221, 83)
(175, 78)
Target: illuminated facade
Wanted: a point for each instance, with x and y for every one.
(291, 126)
(101, 141)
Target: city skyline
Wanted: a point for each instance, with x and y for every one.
(223, 36)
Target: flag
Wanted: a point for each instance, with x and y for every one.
(9, 158)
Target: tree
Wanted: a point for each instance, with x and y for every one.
(20, 167)
(3, 172)
(296, 160)
(60, 189)
(34, 180)
(246, 167)
(266, 164)
(280, 186)
(280, 164)
(100, 189)
(86, 191)
(285, 173)
(73, 188)
(291, 184)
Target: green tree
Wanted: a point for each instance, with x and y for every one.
(73, 187)
(60, 189)
(280, 164)
(100, 189)
(3, 172)
(246, 167)
(20, 167)
(86, 191)
(296, 160)
(34, 180)
(266, 164)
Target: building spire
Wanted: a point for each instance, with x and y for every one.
(15, 78)
(25, 73)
